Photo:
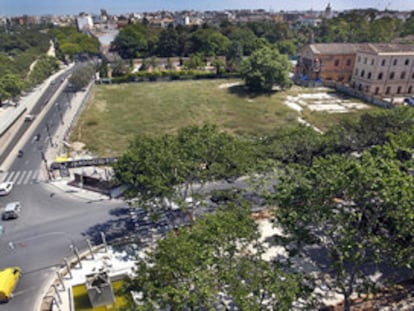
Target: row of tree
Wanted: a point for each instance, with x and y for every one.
(237, 40)
(354, 208)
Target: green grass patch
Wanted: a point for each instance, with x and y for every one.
(116, 113)
(81, 299)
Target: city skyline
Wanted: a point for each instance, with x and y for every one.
(44, 7)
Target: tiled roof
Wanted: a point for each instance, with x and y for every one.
(379, 48)
(336, 48)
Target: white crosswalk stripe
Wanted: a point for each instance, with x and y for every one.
(21, 177)
(16, 177)
(26, 180)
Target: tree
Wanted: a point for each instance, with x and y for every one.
(265, 68)
(203, 266)
(177, 167)
(195, 62)
(82, 77)
(350, 208)
(10, 86)
(168, 44)
(131, 42)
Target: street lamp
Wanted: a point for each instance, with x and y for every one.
(42, 154)
(48, 133)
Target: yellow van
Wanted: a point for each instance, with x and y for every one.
(8, 281)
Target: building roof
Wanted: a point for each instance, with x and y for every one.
(387, 48)
(336, 48)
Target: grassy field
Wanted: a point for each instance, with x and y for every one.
(116, 113)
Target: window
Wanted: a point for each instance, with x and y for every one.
(362, 73)
(403, 75)
(407, 62)
(360, 87)
(388, 90)
(348, 62)
(383, 62)
(412, 76)
(376, 90)
(356, 72)
(336, 62)
(359, 59)
(369, 75)
(410, 89)
(365, 60)
(395, 62)
(372, 62)
(380, 76)
(399, 90)
(392, 74)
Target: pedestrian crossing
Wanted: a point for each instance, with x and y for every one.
(24, 177)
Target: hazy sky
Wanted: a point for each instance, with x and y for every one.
(38, 7)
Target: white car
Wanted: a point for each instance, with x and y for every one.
(6, 187)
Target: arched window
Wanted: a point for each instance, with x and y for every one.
(407, 62)
(399, 90)
(395, 62)
(362, 73)
(376, 90)
(380, 76)
(348, 62)
(369, 75)
(403, 75)
(392, 75)
(356, 72)
(410, 89)
(383, 62)
(336, 62)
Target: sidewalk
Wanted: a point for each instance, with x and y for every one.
(12, 117)
(58, 295)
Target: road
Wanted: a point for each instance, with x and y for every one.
(51, 220)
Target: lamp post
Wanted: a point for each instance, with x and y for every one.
(42, 154)
(48, 134)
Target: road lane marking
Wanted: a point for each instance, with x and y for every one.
(19, 181)
(10, 176)
(29, 174)
(16, 177)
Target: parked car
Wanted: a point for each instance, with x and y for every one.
(409, 101)
(12, 211)
(6, 187)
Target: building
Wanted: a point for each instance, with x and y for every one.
(384, 69)
(327, 62)
(84, 22)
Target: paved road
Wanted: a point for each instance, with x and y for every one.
(51, 220)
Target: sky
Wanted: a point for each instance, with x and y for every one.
(42, 7)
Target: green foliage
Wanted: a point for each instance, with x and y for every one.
(195, 62)
(71, 42)
(194, 267)
(45, 67)
(155, 167)
(82, 77)
(265, 68)
(352, 208)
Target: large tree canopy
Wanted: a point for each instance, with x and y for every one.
(358, 210)
(209, 266)
(265, 68)
(169, 166)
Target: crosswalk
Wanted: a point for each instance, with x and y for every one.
(24, 177)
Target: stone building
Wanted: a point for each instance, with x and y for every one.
(384, 70)
(327, 62)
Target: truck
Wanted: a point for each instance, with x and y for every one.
(9, 277)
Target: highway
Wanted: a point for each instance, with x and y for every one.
(51, 220)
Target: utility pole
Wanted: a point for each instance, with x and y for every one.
(46, 166)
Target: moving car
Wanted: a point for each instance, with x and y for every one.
(12, 211)
(9, 278)
(29, 117)
(6, 187)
